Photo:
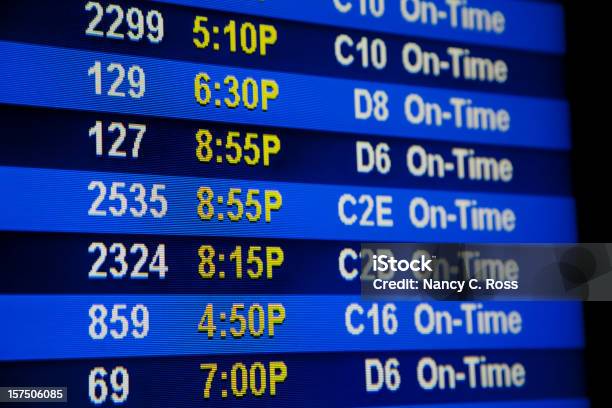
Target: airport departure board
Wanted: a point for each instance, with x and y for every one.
(185, 186)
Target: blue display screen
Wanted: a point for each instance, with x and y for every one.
(185, 186)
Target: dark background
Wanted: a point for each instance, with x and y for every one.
(588, 31)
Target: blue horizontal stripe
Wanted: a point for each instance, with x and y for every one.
(55, 77)
(63, 201)
(569, 403)
(299, 48)
(52, 327)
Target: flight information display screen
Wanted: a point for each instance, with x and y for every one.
(186, 185)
